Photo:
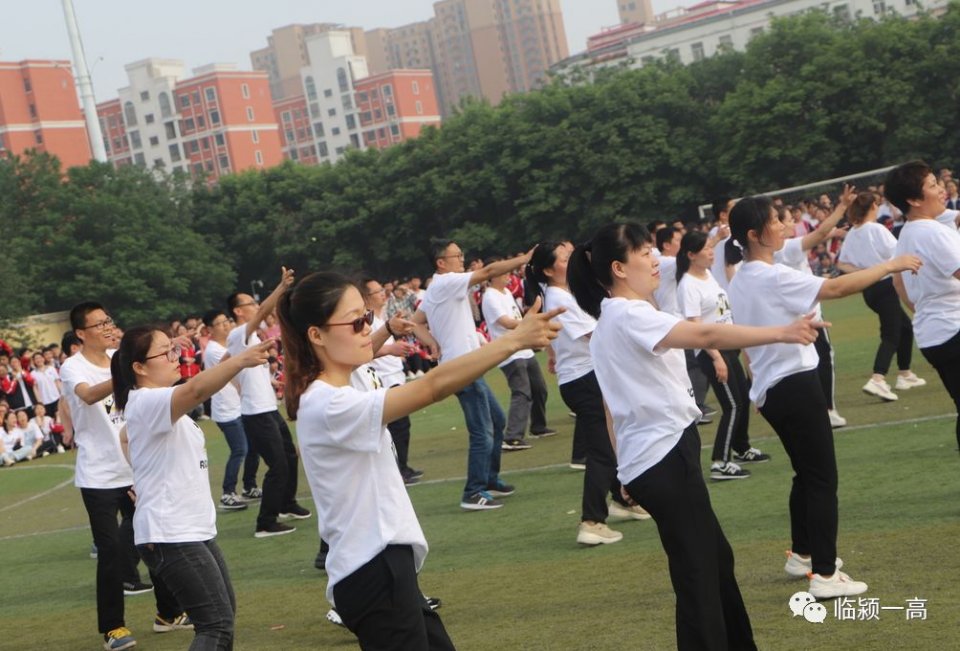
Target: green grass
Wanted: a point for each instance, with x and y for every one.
(515, 579)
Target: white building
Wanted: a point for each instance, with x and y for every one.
(150, 112)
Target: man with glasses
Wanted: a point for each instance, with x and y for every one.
(446, 306)
(267, 432)
(103, 475)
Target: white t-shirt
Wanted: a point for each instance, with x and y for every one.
(934, 290)
(867, 245)
(704, 299)
(11, 438)
(388, 367)
(719, 267)
(362, 505)
(225, 403)
(45, 385)
(447, 306)
(949, 218)
(170, 472)
(45, 428)
(100, 461)
(497, 304)
(256, 392)
(792, 255)
(31, 434)
(666, 293)
(646, 387)
(572, 345)
(774, 295)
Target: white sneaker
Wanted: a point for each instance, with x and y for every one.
(597, 534)
(798, 566)
(838, 585)
(880, 389)
(909, 381)
(419, 374)
(621, 512)
(60, 449)
(836, 420)
(334, 617)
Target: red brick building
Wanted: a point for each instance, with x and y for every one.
(396, 105)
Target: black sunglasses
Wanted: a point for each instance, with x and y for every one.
(357, 324)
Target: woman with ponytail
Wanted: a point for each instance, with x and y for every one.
(636, 351)
(365, 514)
(701, 299)
(786, 387)
(547, 277)
(175, 520)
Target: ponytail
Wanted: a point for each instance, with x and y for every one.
(692, 242)
(534, 278)
(749, 214)
(732, 252)
(588, 272)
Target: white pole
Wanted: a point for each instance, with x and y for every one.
(84, 84)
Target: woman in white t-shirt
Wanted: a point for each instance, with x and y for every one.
(786, 387)
(581, 393)
(364, 512)
(175, 520)
(13, 439)
(640, 366)
(934, 292)
(868, 243)
(702, 300)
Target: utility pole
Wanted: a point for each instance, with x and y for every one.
(84, 84)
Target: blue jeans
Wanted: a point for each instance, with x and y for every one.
(197, 575)
(237, 440)
(485, 423)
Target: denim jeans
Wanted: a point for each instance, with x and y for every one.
(237, 440)
(485, 422)
(197, 575)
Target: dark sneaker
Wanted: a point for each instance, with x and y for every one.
(131, 589)
(119, 639)
(296, 512)
(413, 472)
(179, 623)
(433, 602)
(232, 502)
(320, 562)
(93, 551)
(752, 455)
(482, 501)
(515, 444)
(543, 434)
(274, 529)
(578, 463)
(728, 470)
(252, 493)
(501, 489)
(409, 479)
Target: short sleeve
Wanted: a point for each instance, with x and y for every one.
(797, 291)
(942, 252)
(689, 299)
(212, 355)
(353, 419)
(450, 286)
(883, 242)
(235, 340)
(70, 378)
(576, 322)
(792, 252)
(648, 327)
(493, 307)
(148, 411)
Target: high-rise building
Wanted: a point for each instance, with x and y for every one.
(395, 106)
(635, 11)
(39, 110)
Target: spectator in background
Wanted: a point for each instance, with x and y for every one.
(50, 431)
(953, 196)
(32, 436)
(272, 331)
(47, 383)
(18, 384)
(13, 439)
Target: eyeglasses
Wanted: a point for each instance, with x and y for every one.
(357, 324)
(219, 323)
(246, 304)
(453, 255)
(172, 355)
(376, 291)
(100, 325)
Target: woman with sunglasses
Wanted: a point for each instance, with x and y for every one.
(376, 544)
(175, 519)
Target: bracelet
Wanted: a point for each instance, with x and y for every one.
(390, 330)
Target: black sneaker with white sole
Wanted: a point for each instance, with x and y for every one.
(131, 589)
(296, 512)
(482, 501)
(252, 493)
(274, 529)
(729, 470)
(752, 455)
(501, 489)
(515, 444)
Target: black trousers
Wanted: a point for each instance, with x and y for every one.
(584, 398)
(710, 610)
(896, 330)
(251, 464)
(825, 367)
(271, 439)
(796, 409)
(697, 379)
(734, 398)
(400, 433)
(382, 605)
(945, 358)
(116, 554)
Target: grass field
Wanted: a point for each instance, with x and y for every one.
(515, 578)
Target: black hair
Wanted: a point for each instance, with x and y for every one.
(79, 312)
(905, 182)
(749, 214)
(69, 340)
(438, 246)
(588, 272)
(655, 224)
(211, 315)
(718, 206)
(311, 302)
(544, 257)
(692, 242)
(133, 348)
(232, 302)
(664, 235)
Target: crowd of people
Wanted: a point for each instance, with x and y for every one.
(637, 323)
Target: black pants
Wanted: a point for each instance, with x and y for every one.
(945, 358)
(382, 605)
(710, 610)
(251, 464)
(697, 379)
(400, 433)
(734, 398)
(796, 409)
(272, 440)
(116, 554)
(584, 398)
(896, 330)
(825, 367)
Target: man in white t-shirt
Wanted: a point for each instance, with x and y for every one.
(446, 307)
(102, 473)
(266, 429)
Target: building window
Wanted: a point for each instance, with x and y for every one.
(370, 136)
(164, 101)
(381, 133)
(211, 93)
(214, 116)
(339, 150)
(148, 118)
(318, 129)
(196, 97)
(209, 165)
(294, 155)
(725, 42)
(415, 87)
(140, 160)
(311, 88)
(335, 131)
(33, 111)
(842, 12)
(395, 130)
(205, 143)
(756, 31)
(328, 93)
(355, 140)
(342, 80)
(130, 114)
(259, 157)
(198, 169)
(347, 102)
(418, 106)
(193, 146)
(245, 91)
(135, 140)
(249, 114)
(314, 110)
(255, 136)
(219, 140)
(387, 90)
(377, 114)
(201, 122)
(362, 97)
(391, 110)
(184, 101)
(145, 96)
(38, 137)
(351, 122)
(224, 163)
(365, 117)
(696, 49)
(174, 152)
(26, 85)
(154, 141)
(188, 125)
(322, 149)
(106, 144)
(285, 116)
(332, 112)
(288, 136)
(171, 129)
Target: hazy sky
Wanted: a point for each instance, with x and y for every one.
(117, 32)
